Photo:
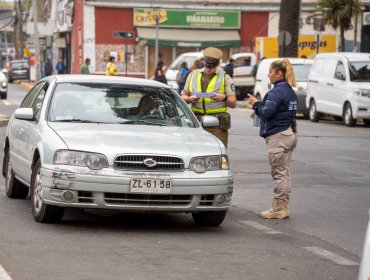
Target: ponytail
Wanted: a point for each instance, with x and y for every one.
(289, 75)
(284, 66)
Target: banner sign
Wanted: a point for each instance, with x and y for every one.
(187, 18)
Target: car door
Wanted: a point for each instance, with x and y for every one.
(339, 89)
(325, 90)
(24, 133)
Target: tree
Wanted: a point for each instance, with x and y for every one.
(289, 22)
(339, 13)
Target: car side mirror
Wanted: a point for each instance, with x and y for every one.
(210, 121)
(340, 76)
(24, 114)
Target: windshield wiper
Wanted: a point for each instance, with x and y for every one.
(77, 120)
(143, 122)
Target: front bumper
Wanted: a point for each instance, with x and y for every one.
(110, 189)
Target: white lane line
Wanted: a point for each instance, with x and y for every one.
(260, 227)
(6, 103)
(3, 274)
(330, 256)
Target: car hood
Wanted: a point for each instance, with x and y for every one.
(113, 139)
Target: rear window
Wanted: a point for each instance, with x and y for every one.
(19, 64)
(178, 61)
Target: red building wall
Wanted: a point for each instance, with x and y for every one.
(77, 37)
(108, 20)
(253, 24)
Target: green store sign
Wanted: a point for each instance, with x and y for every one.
(187, 18)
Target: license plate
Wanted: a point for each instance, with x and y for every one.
(19, 71)
(150, 185)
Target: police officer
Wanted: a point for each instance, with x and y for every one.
(210, 91)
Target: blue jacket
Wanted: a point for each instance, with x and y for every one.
(277, 110)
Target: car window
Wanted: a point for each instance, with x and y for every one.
(19, 64)
(189, 59)
(114, 103)
(37, 103)
(242, 61)
(31, 96)
(340, 72)
(360, 71)
(301, 72)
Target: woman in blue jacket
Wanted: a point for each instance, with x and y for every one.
(277, 112)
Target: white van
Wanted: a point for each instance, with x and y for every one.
(301, 68)
(339, 85)
(172, 71)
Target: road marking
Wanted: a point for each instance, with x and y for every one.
(330, 256)
(6, 103)
(3, 274)
(260, 227)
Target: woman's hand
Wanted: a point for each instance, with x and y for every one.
(252, 99)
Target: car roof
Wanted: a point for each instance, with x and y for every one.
(19, 60)
(292, 60)
(106, 79)
(348, 55)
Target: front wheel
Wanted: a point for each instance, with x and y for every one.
(367, 122)
(348, 116)
(13, 188)
(210, 219)
(42, 213)
(313, 114)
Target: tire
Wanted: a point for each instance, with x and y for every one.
(339, 119)
(367, 122)
(210, 219)
(13, 188)
(348, 116)
(312, 112)
(10, 81)
(4, 95)
(42, 212)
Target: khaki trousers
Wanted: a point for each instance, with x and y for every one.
(220, 133)
(280, 149)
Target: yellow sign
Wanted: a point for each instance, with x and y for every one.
(148, 16)
(307, 44)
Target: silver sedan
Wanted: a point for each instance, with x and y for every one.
(111, 143)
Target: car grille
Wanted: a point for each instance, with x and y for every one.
(136, 162)
(147, 199)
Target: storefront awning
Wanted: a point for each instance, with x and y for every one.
(190, 37)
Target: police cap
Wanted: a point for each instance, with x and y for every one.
(212, 55)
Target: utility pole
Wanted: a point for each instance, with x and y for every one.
(21, 37)
(6, 47)
(156, 39)
(36, 39)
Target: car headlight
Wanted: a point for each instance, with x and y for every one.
(203, 164)
(3, 84)
(84, 159)
(362, 92)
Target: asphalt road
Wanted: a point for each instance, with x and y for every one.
(322, 239)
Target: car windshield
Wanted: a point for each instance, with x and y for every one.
(359, 71)
(116, 103)
(301, 72)
(188, 59)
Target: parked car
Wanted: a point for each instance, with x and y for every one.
(339, 85)
(18, 70)
(243, 78)
(301, 68)
(3, 86)
(172, 71)
(110, 143)
(364, 273)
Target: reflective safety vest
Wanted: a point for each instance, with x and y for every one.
(208, 105)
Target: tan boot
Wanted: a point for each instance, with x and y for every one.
(279, 210)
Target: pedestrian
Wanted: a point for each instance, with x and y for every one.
(229, 68)
(210, 91)
(111, 67)
(48, 68)
(159, 73)
(60, 66)
(180, 77)
(277, 113)
(255, 67)
(197, 64)
(84, 69)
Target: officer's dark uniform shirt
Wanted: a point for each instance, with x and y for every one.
(277, 110)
